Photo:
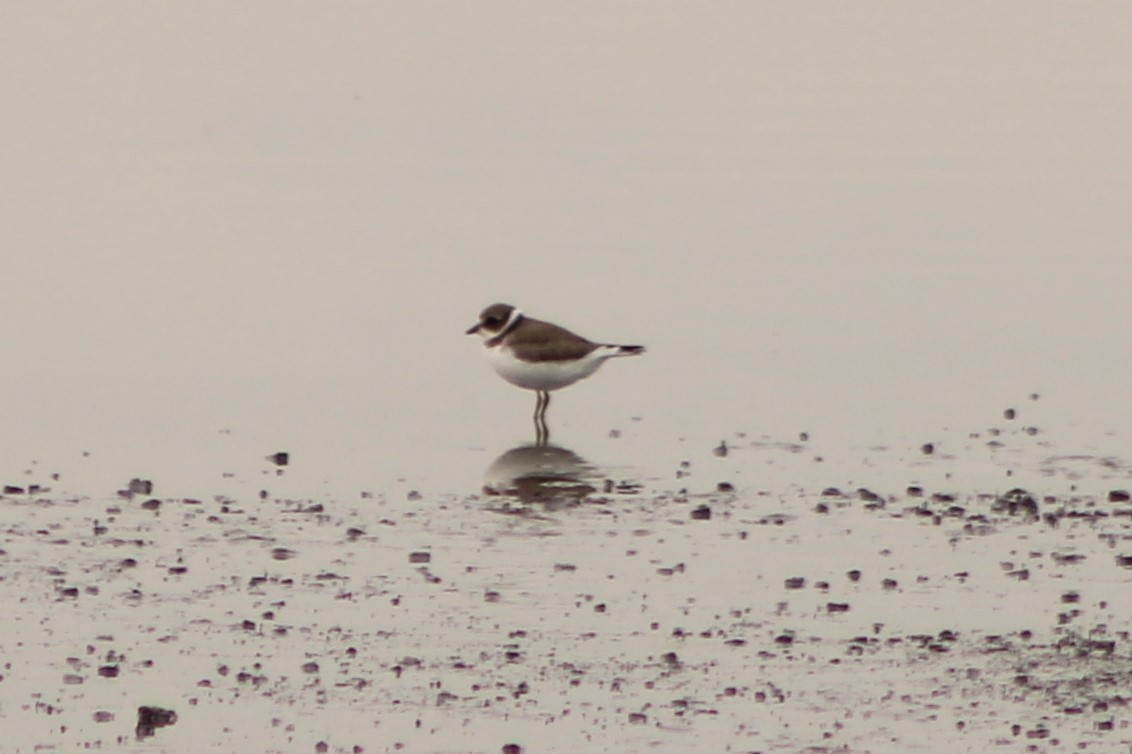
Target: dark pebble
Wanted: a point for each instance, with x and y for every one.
(701, 513)
(927, 448)
(1119, 496)
(420, 557)
(795, 582)
(282, 458)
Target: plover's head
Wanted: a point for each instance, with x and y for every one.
(494, 320)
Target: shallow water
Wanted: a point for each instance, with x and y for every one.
(843, 236)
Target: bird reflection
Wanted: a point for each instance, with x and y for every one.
(545, 474)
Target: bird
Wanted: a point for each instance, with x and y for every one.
(540, 356)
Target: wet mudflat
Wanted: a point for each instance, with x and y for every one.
(759, 596)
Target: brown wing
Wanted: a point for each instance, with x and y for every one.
(542, 341)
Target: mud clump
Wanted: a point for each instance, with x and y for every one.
(152, 718)
(1016, 502)
(701, 513)
(139, 487)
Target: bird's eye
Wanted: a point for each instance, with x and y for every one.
(491, 321)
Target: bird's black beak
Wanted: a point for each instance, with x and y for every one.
(473, 329)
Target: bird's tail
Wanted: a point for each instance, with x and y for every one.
(626, 350)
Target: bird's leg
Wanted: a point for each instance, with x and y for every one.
(542, 432)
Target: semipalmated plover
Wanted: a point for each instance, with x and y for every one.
(538, 355)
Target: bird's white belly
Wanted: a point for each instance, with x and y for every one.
(542, 375)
